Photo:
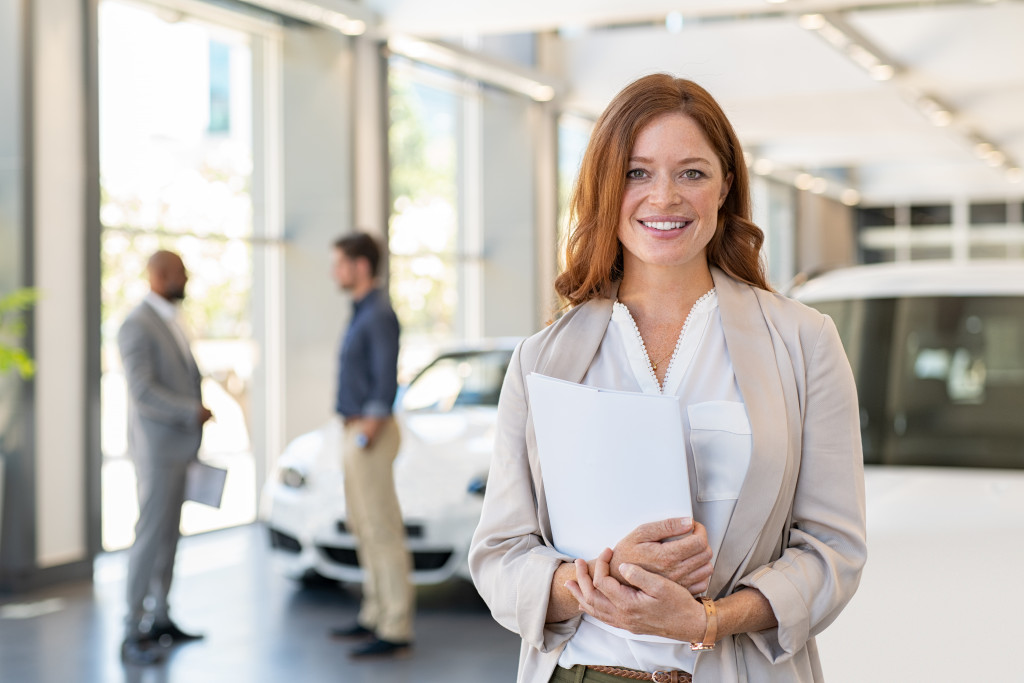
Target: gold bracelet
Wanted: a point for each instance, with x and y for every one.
(711, 631)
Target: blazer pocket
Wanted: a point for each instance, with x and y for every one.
(721, 443)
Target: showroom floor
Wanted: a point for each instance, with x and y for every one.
(259, 626)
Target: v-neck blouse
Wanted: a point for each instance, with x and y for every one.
(716, 435)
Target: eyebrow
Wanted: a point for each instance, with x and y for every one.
(681, 162)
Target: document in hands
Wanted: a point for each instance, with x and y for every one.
(610, 461)
(205, 483)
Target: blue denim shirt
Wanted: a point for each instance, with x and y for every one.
(368, 359)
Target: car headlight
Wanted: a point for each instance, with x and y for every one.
(291, 477)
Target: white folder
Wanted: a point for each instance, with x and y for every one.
(610, 461)
(205, 483)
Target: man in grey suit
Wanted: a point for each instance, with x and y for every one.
(165, 426)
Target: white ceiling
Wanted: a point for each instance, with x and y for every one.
(792, 97)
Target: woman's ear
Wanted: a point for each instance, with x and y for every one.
(726, 186)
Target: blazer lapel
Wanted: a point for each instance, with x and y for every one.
(574, 348)
(168, 335)
(752, 352)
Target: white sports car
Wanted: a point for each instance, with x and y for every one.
(937, 350)
(446, 415)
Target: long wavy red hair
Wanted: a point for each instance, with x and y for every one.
(593, 254)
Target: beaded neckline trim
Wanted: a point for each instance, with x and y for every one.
(697, 305)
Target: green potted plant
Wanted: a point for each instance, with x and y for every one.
(12, 355)
(12, 327)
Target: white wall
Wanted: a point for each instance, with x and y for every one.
(509, 219)
(318, 207)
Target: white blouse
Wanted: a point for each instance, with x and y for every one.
(716, 432)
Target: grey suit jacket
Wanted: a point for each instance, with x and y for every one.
(806, 462)
(164, 395)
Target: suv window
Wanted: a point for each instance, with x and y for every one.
(458, 380)
(940, 379)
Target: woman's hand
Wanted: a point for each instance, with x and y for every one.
(646, 603)
(686, 560)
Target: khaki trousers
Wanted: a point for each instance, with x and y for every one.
(375, 519)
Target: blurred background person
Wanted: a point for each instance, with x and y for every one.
(367, 384)
(165, 422)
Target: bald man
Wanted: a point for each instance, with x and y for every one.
(165, 426)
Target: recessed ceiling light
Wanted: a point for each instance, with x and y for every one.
(811, 22)
(850, 197)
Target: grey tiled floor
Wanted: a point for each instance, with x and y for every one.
(260, 627)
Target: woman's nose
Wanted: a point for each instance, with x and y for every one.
(664, 192)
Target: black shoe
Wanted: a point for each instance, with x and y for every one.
(141, 651)
(353, 632)
(381, 648)
(167, 633)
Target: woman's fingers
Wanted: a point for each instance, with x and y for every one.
(661, 530)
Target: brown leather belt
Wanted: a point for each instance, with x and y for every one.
(634, 675)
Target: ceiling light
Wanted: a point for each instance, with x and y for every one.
(811, 22)
(862, 56)
(941, 118)
(803, 181)
(1014, 174)
(763, 167)
(850, 197)
(819, 185)
(982, 149)
(883, 72)
(995, 158)
(472, 65)
(350, 18)
(833, 35)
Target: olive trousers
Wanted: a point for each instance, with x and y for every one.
(375, 519)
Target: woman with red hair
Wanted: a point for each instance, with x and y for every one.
(666, 294)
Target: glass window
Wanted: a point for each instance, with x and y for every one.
(573, 136)
(988, 214)
(458, 380)
(868, 255)
(424, 225)
(876, 217)
(940, 379)
(935, 214)
(983, 251)
(176, 172)
(931, 252)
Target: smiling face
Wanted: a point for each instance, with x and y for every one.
(675, 185)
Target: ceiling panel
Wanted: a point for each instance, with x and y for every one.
(790, 94)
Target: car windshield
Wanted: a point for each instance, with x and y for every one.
(458, 380)
(940, 379)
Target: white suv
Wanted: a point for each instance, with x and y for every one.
(937, 349)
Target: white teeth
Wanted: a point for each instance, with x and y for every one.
(664, 225)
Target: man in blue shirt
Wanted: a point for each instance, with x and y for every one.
(367, 384)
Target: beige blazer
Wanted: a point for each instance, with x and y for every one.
(806, 461)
